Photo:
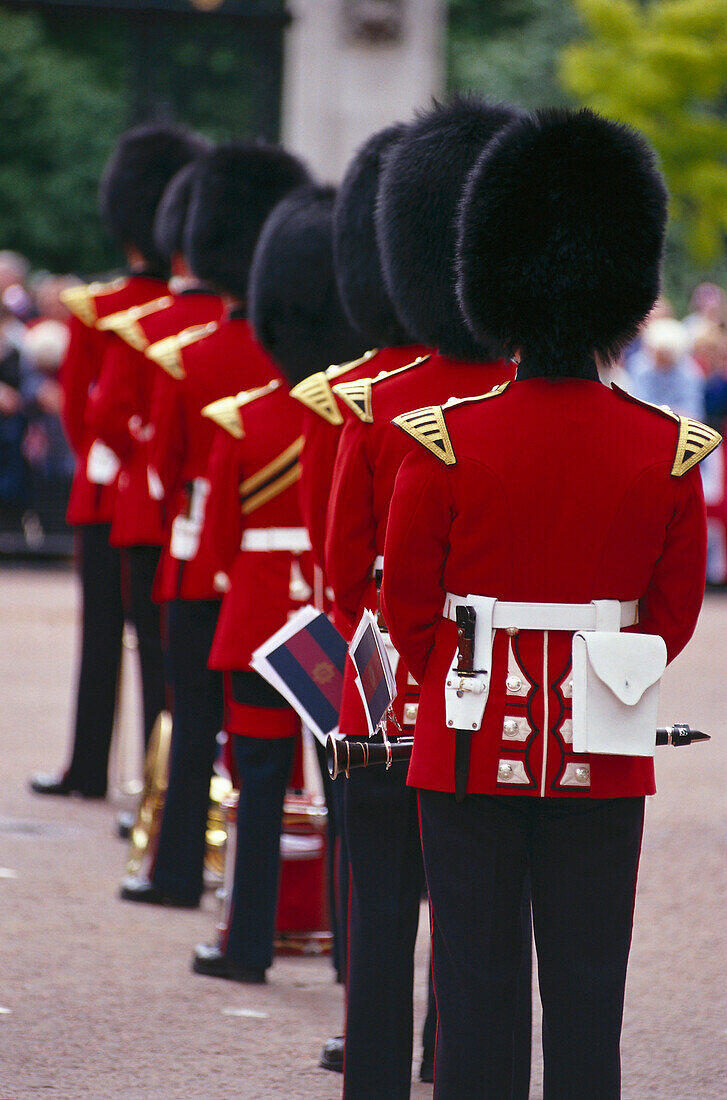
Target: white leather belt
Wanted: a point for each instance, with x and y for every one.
(597, 615)
(465, 696)
(294, 539)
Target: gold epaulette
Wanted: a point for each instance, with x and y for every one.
(125, 323)
(427, 427)
(272, 479)
(80, 300)
(226, 411)
(694, 442)
(167, 353)
(315, 391)
(357, 395)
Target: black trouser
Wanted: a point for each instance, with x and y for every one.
(263, 765)
(387, 877)
(197, 719)
(582, 855)
(141, 564)
(102, 626)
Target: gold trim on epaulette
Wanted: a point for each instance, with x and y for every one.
(357, 395)
(79, 300)
(272, 479)
(696, 441)
(384, 374)
(427, 427)
(336, 370)
(167, 353)
(494, 392)
(226, 410)
(225, 413)
(315, 393)
(125, 323)
(663, 410)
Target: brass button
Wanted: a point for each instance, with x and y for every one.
(512, 631)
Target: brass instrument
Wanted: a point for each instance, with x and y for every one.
(148, 817)
(151, 803)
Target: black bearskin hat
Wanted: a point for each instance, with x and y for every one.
(355, 248)
(293, 301)
(235, 187)
(561, 236)
(134, 179)
(421, 185)
(172, 212)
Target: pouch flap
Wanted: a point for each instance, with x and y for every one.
(627, 664)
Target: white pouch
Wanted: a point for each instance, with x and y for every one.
(102, 464)
(184, 542)
(616, 692)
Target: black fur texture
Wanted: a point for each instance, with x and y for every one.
(141, 165)
(234, 189)
(172, 213)
(355, 248)
(561, 237)
(293, 301)
(419, 192)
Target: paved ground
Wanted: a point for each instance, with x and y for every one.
(96, 996)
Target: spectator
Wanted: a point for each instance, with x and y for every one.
(662, 308)
(12, 424)
(709, 304)
(49, 458)
(664, 373)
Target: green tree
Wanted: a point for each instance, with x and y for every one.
(57, 123)
(509, 48)
(662, 67)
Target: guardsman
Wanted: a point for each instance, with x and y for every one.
(234, 188)
(140, 167)
(253, 517)
(420, 186)
(119, 414)
(535, 501)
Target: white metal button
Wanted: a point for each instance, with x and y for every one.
(504, 772)
(583, 773)
(510, 727)
(513, 684)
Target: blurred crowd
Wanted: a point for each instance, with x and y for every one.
(36, 464)
(679, 363)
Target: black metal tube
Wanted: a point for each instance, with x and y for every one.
(344, 753)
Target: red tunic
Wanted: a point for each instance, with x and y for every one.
(322, 423)
(556, 491)
(223, 360)
(93, 502)
(253, 481)
(369, 457)
(120, 408)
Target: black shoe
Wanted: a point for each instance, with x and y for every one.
(125, 824)
(140, 888)
(209, 960)
(332, 1054)
(426, 1070)
(59, 783)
